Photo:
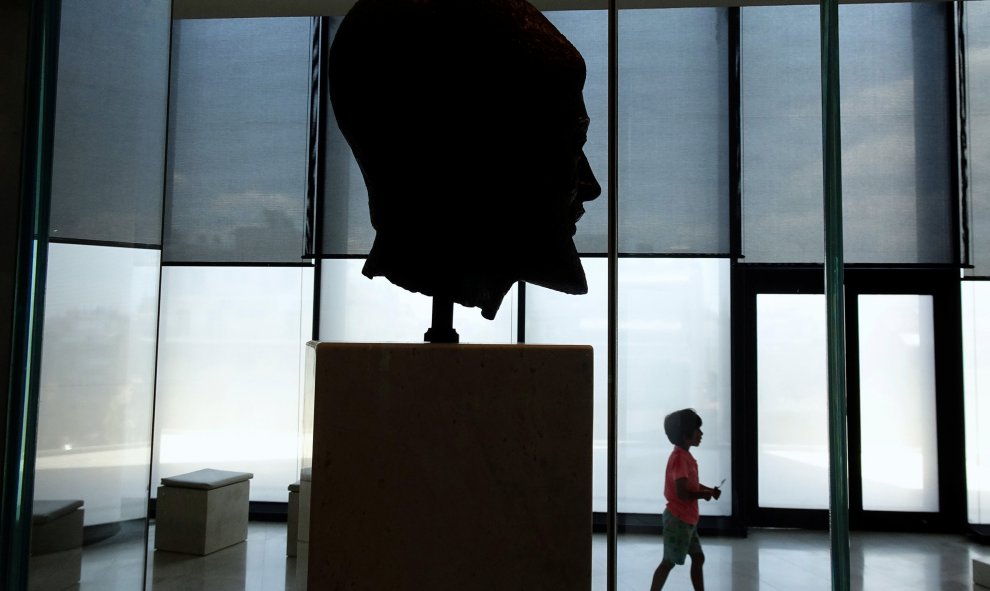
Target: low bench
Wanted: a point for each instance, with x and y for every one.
(302, 529)
(981, 574)
(202, 511)
(56, 544)
(292, 520)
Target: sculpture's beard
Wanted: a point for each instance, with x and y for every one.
(472, 271)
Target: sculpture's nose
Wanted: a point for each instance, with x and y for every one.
(588, 187)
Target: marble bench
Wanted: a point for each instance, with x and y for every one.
(56, 544)
(302, 529)
(981, 574)
(202, 511)
(292, 520)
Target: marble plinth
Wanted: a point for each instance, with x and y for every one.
(302, 528)
(56, 544)
(292, 520)
(450, 467)
(981, 572)
(203, 511)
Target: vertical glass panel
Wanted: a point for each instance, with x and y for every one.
(587, 30)
(97, 392)
(673, 130)
(976, 359)
(897, 403)
(356, 309)
(238, 140)
(560, 319)
(673, 353)
(792, 401)
(895, 133)
(897, 191)
(109, 145)
(782, 134)
(978, 97)
(346, 220)
(230, 369)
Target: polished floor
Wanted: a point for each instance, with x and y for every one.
(766, 560)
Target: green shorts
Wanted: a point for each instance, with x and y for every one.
(679, 539)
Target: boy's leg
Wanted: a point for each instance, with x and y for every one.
(660, 575)
(676, 545)
(697, 562)
(697, 574)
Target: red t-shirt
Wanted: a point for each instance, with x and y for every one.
(681, 464)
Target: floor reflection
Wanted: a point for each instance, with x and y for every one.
(766, 560)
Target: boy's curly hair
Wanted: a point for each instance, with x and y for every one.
(681, 424)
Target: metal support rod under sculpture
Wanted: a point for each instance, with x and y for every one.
(442, 328)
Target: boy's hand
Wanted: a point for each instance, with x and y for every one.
(716, 492)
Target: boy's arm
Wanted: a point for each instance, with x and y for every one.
(713, 492)
(684, 494)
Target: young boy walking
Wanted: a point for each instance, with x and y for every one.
(682, 491)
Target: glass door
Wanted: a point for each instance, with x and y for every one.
(902, 377)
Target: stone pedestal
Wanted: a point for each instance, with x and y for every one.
(202, 512)
(56, 544)
(981, 573)
(292, 520)
(302, 528)
(450, 467)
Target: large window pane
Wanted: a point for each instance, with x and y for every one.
(345, 217)
(976, 356)
(673, 353)
(238, 140)
(109, 145)
(897, 403)
(356, 309)
(978, 96)
(895, 133)
(791, 405)
(587, 30)
(230, 372)
(97, 381)
(673, 131)
(896, 184)
(782, 134)
(559, 319)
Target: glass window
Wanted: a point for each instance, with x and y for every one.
(897, 403)
(673, 353)
(356, 309)
(238, 140)
(109, 141)
(230, 364)
(97, 380)
(587, 30)
(673, 131)
(976, 359)
(560, 319)
(792, 401)
(896, 187)
(782, 134)
(346, 220)
(978, 96)
(895, 133)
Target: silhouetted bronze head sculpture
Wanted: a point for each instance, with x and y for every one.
(468, 122)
